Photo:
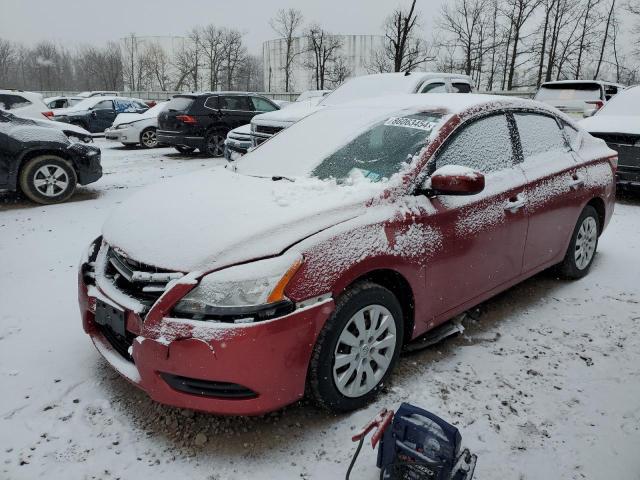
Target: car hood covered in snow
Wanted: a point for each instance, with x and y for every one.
(294, 112)
(216, 218)
(612, 124)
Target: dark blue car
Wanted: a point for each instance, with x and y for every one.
(96, 114)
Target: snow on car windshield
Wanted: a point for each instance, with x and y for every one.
(341, 143)
(625, 103)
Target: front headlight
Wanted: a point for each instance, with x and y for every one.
(249, 292)
(122, 125)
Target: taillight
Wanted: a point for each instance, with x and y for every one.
(598, 103)
(49, 115)
(188, 119)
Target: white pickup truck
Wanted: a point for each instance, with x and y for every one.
(265, 125)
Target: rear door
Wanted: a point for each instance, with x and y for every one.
(102, 116)
(6, 157)
(554, 190)
(483, 235)
(237, 110)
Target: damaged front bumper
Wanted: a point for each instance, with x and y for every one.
(230, 369)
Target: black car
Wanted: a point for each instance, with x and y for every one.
(98, 113)
(202, 120)
(42, 162)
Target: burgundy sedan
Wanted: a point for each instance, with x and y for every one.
(308, 265)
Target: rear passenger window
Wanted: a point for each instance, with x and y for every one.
(484, 146)
(212, 103)
(539, 136)
(437, 87)
(460, 87)
(235, 102)
(104, 105)
(8, 102)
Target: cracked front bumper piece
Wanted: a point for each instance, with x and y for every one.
(237, 369)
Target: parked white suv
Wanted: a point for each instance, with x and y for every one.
(578, 98)
(265, 125)
(24, 104)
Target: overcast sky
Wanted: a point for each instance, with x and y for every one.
(75, 22)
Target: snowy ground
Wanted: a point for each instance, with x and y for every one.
(545, 385)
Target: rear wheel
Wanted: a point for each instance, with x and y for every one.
(185, 150)
(48, 179)
(357, 348)
(148, 138)
(583, 245)
(214, 144)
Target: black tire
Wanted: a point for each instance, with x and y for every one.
(572, 267)
(148, 138)
(185, 150)
(129, 145)
(214, 144)
(321, 385)
(61, 175)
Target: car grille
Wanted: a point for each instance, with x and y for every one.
(142, 282)
(119, 343)
(267, 129)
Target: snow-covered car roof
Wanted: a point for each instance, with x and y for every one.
(583, 82)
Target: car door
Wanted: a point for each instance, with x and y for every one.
(237, 110)
(6, 157)
(102, 116)
(554, 188)
(482, 235)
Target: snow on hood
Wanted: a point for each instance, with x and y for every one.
(612, 124)
(211, 219)
(63, 127)
(128, 117)
(291, 114)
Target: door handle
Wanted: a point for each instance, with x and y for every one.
(576, 181)
(516, 203)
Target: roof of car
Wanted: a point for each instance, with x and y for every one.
(197, 94)
(569, 82)
(449, 102)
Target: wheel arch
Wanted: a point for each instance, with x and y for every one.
(29, 154)
(598, 204)
(395, 282)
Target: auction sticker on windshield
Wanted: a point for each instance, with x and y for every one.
(408, 122)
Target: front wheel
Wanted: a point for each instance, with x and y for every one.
(48, 179)
(357, 348)
(214, 144)
(148, 138)
(583, 245)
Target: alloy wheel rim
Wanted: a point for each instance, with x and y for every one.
(216, 145)
(586, 243)
(364, 351)
(149, 139)
(50, 180)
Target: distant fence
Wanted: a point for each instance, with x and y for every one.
(287, 96)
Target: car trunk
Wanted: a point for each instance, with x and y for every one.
(168, 118)
(572, 99)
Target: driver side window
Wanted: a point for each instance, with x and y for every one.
(483, 145)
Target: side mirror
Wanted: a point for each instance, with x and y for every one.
(455, 180)
(93, 113)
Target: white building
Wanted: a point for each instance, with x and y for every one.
(356, 51)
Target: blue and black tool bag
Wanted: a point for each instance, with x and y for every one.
(422, 446)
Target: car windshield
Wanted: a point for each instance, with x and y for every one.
(343, 143)
(563, 92)
(625, 103)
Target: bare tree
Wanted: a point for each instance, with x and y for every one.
(212, 45)
(605, 37)
(522, 12)
(157, 62)
(286, 24)
(7, 59)
(463, 19)
(339, 71)
(403, 49)
(588, 27)
(322, 48)
(233, 54)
